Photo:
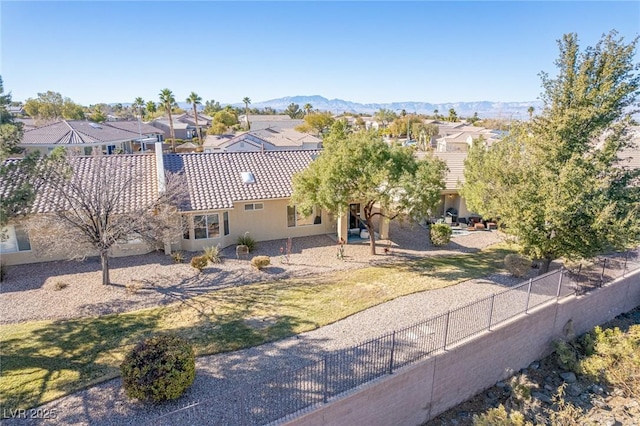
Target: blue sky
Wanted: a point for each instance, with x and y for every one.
(360, 51)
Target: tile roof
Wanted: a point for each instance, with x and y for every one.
(138, 171)
(455, 163)
(215, 181)
(74, 132)
(132, 126)
(275, 136)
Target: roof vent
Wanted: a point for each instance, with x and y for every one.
(95, 125)
(247, 177)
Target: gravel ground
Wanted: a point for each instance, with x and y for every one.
(220, 376)
(32, 292)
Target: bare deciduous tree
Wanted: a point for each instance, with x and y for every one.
(95, 204)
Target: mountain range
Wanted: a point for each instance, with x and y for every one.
(485, 109)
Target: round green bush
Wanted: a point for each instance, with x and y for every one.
(440, 234)
(260, 262)
(199, 262)
(158, 369)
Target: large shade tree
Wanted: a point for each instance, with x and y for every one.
(559, 183)
(361, 167)
(168, 101)
(51, 106)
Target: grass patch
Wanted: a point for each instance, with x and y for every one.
(44, 360)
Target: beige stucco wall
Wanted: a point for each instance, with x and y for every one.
(417, 393)
(267, 224)
(452, 200)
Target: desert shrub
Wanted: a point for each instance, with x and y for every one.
(440, 234)
(566, 355)
(517, 265)
(213, 254)
(177, 256)
(260, 262)
(616, 359)
(133, 287)
(60, 285)
(565, 413)
(200, 262)
(3, 272)
(246, 240)
(158, 369)
(499, 417)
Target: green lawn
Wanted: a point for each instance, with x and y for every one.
(44, 360)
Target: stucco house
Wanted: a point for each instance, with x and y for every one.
(259, 122)
(86, 137)
(184, 125)
(229, 194)
(269, 139)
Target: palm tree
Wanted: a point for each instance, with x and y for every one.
(530, 111)
(168, 101)
(196, 100)
(247, 101)
(151, 107)
(138, 105)
(307, 108)
(435, 114)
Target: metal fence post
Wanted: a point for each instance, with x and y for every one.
(446, 331)
(493, 299)
(604, 266)
(393, 348)
(561, 270)
(526, 308)
(325, 389)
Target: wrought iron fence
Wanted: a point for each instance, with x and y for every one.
(310, 386)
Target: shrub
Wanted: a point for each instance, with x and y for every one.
(246, 240)
(440, 234)
(3, 272)
(499, 417)
(518, 266)
(158, 369)
(213, 254)
(60, 285)
(260, 262)
(177, 256)
(200, 262)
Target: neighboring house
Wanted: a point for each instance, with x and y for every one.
(229, 194)
(16, 110)
(27, 123)
(147, 134)
(184, 125)
(458, 137)
(450, 198)
(82, 137)
(259, 122)
(17, 248)
(269, 139)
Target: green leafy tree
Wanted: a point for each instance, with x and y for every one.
(530, 111)
(226, 117)
(98, 115)
(453, 116)
(10, 130)
(51, 105)
(168, 101)
(246, 102)
(194, 100)
(557, 183)
(474, 119)
(317, 122)
(294, 111)
(435, 114)
(384, 116)
(361, 167)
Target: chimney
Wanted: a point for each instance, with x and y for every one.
(162, 183)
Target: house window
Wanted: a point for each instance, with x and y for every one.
(14, 238)
(88, 150)
(206, 226)
(225, 219)
(253, 206)
(295, 218)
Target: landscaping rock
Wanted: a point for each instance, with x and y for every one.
(543, 397)
(534, 365)
(597, 389)
(568, 377)
(574, 390)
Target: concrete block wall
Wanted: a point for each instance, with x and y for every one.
(419, 392)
